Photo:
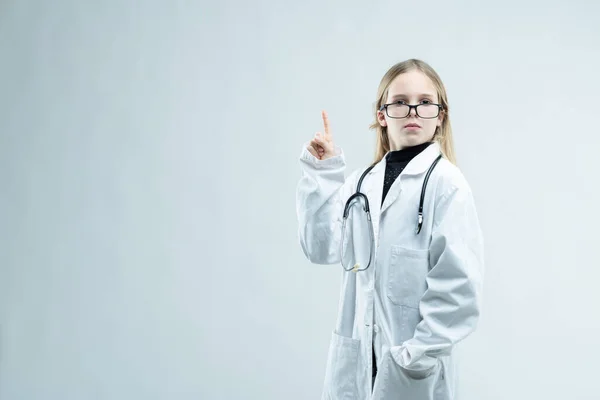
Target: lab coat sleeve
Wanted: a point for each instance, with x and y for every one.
(450, 306)
(321, 194)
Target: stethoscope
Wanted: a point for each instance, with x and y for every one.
(366, 208)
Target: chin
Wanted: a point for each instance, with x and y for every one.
(413, 139)
(418, 136)
(410, 139)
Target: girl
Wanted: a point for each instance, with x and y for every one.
(412, 290)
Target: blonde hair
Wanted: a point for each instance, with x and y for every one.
(443, 133)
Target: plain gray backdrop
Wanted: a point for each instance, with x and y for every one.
(148, 167)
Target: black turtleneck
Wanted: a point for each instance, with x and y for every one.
(395, 163)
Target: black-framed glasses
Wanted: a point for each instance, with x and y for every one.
(401, 110)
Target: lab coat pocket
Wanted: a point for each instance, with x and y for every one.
(394, 382)
(407, 276)
(342, 367)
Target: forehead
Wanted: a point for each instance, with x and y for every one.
(411, 84)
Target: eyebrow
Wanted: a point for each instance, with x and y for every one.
(419, 95)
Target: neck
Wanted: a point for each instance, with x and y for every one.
(400, 147)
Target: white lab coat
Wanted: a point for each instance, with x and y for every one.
(421, 296)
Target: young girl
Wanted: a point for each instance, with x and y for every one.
(410, 244)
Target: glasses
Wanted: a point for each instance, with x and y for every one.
(401, 110)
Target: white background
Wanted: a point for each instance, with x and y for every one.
(148, 166)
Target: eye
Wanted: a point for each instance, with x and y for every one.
(426, 101)
(400, 102)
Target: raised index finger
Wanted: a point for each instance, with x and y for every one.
(326, 123)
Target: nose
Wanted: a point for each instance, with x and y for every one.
(412, 112)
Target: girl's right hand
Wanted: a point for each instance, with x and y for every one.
(321, 146)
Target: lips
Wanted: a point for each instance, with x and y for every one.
(412, 126)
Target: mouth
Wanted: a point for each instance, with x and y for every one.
(412, 126)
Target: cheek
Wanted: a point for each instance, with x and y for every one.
(395, 124)
(429, 127)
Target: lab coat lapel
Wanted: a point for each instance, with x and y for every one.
(392, 194)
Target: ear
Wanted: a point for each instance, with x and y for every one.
(381, 119)
(440, 118)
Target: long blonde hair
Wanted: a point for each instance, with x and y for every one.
(443, 133)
